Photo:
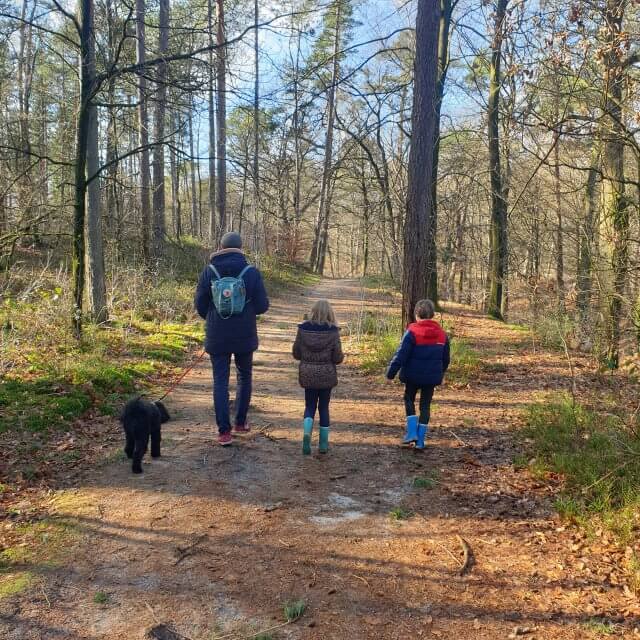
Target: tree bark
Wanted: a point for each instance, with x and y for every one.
(615, 204)
(585, 257)
(95, 248)
(82, 132)
(213, 232)
(444, 27)
(415, 281)
(143, 134)
(221, 73)
(498, 232)
(159, 215)
(322, 232)
(256, 126)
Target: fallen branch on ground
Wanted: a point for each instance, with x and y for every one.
(467, 557)
(184, 552)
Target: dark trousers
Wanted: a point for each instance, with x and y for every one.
(426, 395)
(221, 370)
(317, 399)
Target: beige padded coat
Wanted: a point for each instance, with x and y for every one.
(319, 350)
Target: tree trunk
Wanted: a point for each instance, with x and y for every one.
(221, 73)
(319, 252)
(95, 248)
(559, 230)
(446, 9)
(415, 281)
(143, 134)
(498, 233)
(82, 131)
(213, 231)
(192, 166)
(256, 125)
(585, 258)
(159, 215)
(615, 205)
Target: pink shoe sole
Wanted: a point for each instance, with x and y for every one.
(242, 429)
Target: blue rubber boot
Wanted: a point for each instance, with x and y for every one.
(307, 426)
(411, 434)
(422, 434)
(324, 440)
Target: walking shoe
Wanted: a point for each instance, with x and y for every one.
(225, 439)
(307, 427)
(411, 434)
(242, 428)
(324, 440)
(422, 434)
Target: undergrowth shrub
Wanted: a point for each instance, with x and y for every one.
(597, 455)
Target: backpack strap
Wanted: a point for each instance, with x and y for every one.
(244, 271)
(215, 272)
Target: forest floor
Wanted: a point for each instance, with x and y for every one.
(214, 541)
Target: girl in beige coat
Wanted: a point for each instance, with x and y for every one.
(319, 350)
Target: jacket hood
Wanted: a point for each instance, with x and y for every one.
(312, 326)
(229, 262)
(317, 340)
(427, 332)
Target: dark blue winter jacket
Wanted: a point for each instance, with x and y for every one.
(423, 355)
(237, 334)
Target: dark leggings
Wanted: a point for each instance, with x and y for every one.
(426, 394)
(317, 399)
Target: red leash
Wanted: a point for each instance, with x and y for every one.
(183, 374)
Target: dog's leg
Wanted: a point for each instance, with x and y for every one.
(139, 450)
(155, 440)
(129, 445)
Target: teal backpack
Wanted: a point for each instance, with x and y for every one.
(229, 293)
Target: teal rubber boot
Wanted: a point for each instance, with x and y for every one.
(324, 440)
(307, 426)
(422, 434)
(411, 434)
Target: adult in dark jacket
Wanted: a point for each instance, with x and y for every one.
(422, 360)
(237, 335)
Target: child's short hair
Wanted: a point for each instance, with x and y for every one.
(322, 313)
(425, 309)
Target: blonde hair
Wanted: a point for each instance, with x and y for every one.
(322, 313)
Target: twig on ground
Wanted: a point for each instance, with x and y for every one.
(467, 557)
(237, 636)
(606, 475)
(340, 477)
(460, 440)
(361, 578)
(44, 593)
(152, 612)
(457, 560)
(184, 552)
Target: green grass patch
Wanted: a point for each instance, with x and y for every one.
(598, 457)
(400, 513)
(13, 584)
(466, 363)
(426, 482)
(599, 627)
(100, 597)
(280, 277)
(44, 545)
(294, 610)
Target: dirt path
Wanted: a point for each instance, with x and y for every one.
(215, 540)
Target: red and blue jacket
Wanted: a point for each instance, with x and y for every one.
(423, 355)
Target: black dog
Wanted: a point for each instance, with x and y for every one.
(141, 420)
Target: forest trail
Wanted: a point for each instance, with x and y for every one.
(215, 540)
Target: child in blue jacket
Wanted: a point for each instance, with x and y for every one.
(422, 359)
